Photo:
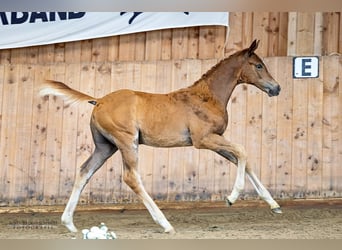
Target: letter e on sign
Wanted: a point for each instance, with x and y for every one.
(306, 67)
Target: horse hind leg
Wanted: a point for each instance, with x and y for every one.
(133, 180)
(103, 150)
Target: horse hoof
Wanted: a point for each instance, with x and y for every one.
(277, 210)
(170, 231)
(71, 227)
(229, 204)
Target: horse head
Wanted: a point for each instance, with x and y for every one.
(254, 71)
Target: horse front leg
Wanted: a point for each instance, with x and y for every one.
(231, 151)
(262, 191)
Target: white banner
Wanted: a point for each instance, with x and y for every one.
(22, 29)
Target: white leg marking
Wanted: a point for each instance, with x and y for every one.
(67, 217)
(239, 182)
(261, 190)
(153, 209)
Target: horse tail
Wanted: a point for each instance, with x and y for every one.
(69, 95)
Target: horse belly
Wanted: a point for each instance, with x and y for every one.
(164, 141)
(164, 134)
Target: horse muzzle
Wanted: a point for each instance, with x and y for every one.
(274, 90)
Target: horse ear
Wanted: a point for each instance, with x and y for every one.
(253, 47)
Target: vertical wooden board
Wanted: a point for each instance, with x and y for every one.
(86, 54)
(190, 173)
(166, 44)
(161, 156)
(69, 137)
(85, 143)
(153, 48)
(147, 79)
(339, 170)
(206, 42)
(331, 32)
(140, 46)
(2, 83)
(247, 29)
(299, 137)
(191, 155)
(176, 155)
(3, 136)
(179, 43)
(135, 83)
(5, 56)
(193, 42)
(19, 55)
(340, 37)
(99, 52)
(305, 33)
(59, 53)
(253, 131)
(234, 42)
(206, 175)
(277, 33)
(269, 133)
(206, 184)
(73, 52)
(284, 128)
(32, 55)
(46, 54)
(122, 75)
(8, 132)
(102, 87)
(113, 48)
(292, 34)
(260, 24)
(283, 33)
(318, 33)
(13, 170)
(220, 40)
(22, 126)
(39, 136)
(315, 115)
(54, 140)
(127, 47)
(331, 115)
(273, 33)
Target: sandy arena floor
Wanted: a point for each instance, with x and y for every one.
(296, 222)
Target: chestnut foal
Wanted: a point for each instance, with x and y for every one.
(193, 116)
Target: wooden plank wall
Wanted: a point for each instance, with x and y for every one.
(314, 33)
(293, 141)
(281, 34)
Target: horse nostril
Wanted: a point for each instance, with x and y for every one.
(274, 91)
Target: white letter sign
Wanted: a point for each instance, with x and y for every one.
(306, 67)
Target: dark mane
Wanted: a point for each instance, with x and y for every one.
(213, 69)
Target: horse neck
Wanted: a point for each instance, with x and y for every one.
(223, 78)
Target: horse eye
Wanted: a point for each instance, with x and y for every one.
(259, 66)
